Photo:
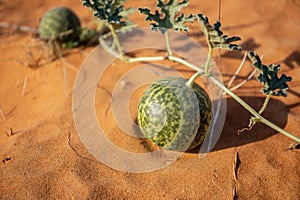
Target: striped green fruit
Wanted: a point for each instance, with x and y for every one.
(59, 20)
(173, 115)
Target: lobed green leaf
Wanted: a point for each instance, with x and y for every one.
(215, 36)
(110, 10)
(169, 16)
(268, 75)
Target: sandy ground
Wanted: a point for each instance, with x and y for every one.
(42, 156)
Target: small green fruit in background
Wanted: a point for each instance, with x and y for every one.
(57, 21)
(173, 115)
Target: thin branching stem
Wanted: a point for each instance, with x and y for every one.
(170, 53)
(116, 41)
(146, 59)
(244, 81)
(16, 27)
(238, 70)
(206, 67)
(219, 10)
(2, 113)
(207, 63)
(184, 62)
(24, 85)
(107, 47)
(263, 108)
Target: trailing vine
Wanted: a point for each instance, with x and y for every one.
(167, 16)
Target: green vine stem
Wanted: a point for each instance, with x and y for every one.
(206, 68)
(170, 53)
(184, 62)
(253, 120)
(116, 41)
(146, 59)
(263, 108)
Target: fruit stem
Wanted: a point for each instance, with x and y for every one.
(190, 82)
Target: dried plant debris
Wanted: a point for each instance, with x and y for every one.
(294, 145)
(6, 159)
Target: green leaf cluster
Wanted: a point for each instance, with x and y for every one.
(111, 11)
(215, 36)
(169, 16)
(268, 75)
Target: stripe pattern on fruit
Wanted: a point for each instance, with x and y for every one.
(173, 115)
(57, 21)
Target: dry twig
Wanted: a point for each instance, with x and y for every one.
(17, 27)
(2, 113)
(238, 70)
(236, 163)
(75, 151)
(24, 85)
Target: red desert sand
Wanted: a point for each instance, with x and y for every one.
(42, 156)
